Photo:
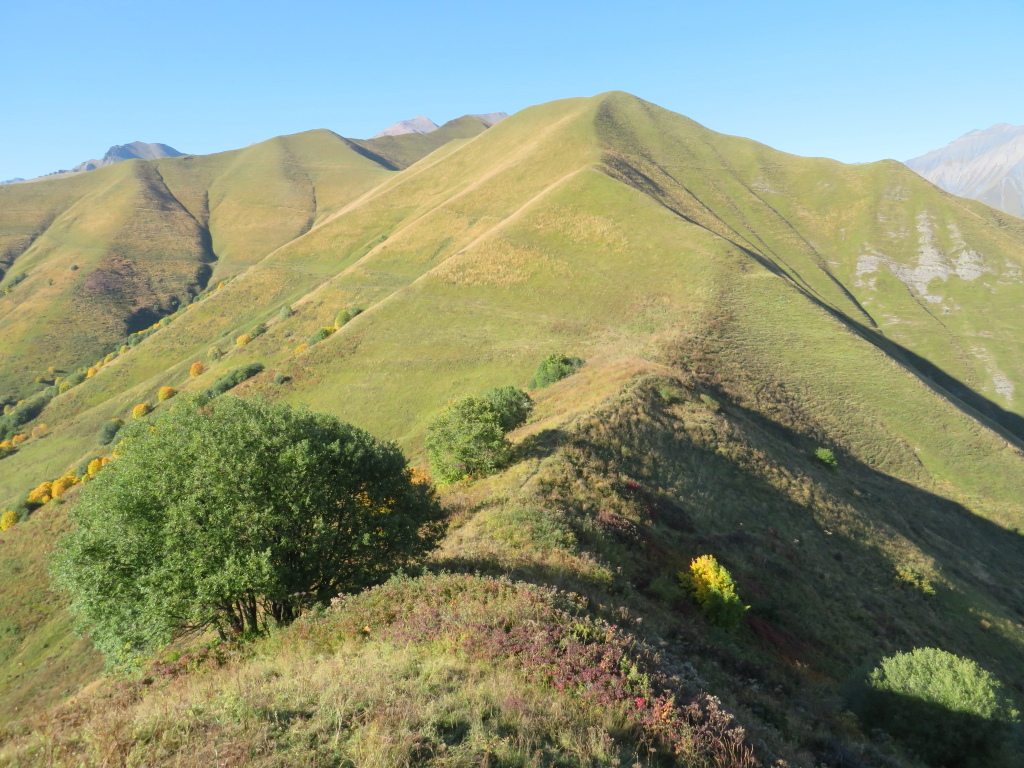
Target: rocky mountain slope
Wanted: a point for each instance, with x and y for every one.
(987, 165)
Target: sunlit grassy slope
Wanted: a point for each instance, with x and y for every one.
(739, 306)
(111, 251)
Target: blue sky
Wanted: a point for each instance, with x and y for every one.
(857, 81)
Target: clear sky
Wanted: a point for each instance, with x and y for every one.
(857, 81)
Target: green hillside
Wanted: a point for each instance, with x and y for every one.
(738, 308)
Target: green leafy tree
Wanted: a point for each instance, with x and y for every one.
(466, 440)
(946, 708)
(234, 515)
(512, 404)
(554, 368)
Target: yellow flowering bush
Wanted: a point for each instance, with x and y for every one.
(7, 519)
(301, 348)
(714, 589)
(165, 393)
(19, 439)
(91, 372)
(196, 369)
(244, 339)
(140, 410)
(61, 485)
(41, 494)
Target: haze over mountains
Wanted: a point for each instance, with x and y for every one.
(986, 165)
(737, 308)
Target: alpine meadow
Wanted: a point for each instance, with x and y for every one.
(588, 437)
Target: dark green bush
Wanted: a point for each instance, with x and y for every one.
(319, 336)
(22, 414)
(512, 404)
(466, 440)
(554, 368)
(946, 708)
(233, 378)
(76, 378)
(108, 432)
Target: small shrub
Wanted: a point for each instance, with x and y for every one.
(219, 285)
(109, 430)
(554, 368)
(512, 404)
(320, 335)
(62, 484)
(39, 430)
(64, 387)
(285, 312)
(258, 330)
(715, 590)
(946, 708)
(196, 369)
(7, 519)
(94, 466)
(466, 440)
(19, 439)
(165, 393)
(215, 353)
(826, 457)
(345, 316)
(244, 339)
(301, 348)
(140, 410)
(41, 494)
(233, 378)
(280, 378)
(75, 378)
(91, 372)
(124, 348)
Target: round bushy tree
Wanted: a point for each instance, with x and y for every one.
(235, 514)
(946, 708)
(466, 440)
(512, 404)
(554, 368)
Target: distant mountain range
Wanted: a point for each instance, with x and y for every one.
(422, 124)
(987, 165)
(137, 150)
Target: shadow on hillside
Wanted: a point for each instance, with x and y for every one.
(1009, 424)
(822, 594)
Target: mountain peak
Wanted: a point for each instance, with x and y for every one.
(418, 124)
(984, 164)
(137, 150)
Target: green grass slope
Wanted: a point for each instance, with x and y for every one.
(739, 308)
(116, 249)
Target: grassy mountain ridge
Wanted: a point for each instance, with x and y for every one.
(739, 307)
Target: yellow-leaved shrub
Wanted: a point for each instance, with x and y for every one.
(165, 393)
(714, 589)
(301, 348)
(41, 493)
(19, 439)
(7, 519)
(61, 484)
(196, 369)
(244, 339)
(140, 410)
